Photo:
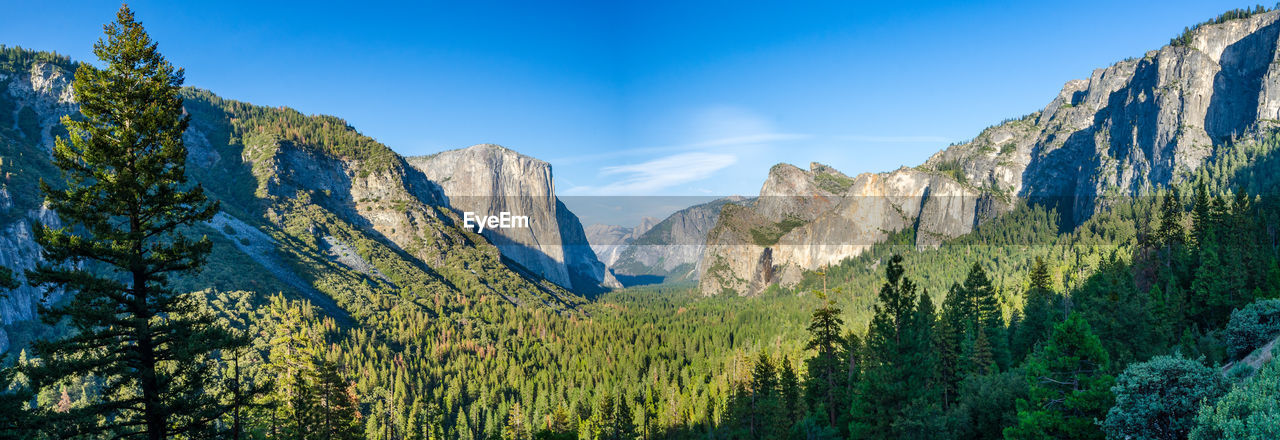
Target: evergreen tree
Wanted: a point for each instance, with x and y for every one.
(1200, 214)
(624, 424)
(789, 392)
(950, 337)
(896, 398)
(515, 428)
(985, 315)
(1070, 389)
(559, 426)
(126, 206)
(1159, 399)
(1040, 312)
(604, 418)
(650, 413)
(336, 407)
(981, 361)
(1170, 233)
(826, 381)
(763, 421)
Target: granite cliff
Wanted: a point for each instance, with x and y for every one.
(669, 250)
(489, 179)
(1140, 123)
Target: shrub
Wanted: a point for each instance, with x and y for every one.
(1249, 411)
(1159, 399)
(1252, 327)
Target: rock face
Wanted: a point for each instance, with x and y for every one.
(608, 241)
(672, 249)
(804, 220)
(1139, 123)
(31, 102)
(489, 180)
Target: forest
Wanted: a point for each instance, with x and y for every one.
(1153, 319)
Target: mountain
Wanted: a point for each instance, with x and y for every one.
(608, 241)
(1136, 125)
(488, 180)
(310, 208)
(671, 249)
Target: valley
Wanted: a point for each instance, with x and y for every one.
(1052, 277)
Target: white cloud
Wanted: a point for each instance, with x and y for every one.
(647, 178)
(894, 139)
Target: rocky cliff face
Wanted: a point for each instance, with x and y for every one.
(672, 248)
(608, 241)
(489, 180)
(804, 220)
(1139, 123)
(31, 102)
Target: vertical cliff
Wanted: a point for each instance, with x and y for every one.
(1140, 123)
(489, 179)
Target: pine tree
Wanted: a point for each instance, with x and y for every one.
(827, 373)
(604, 418)
(1070, 389)
(896, 398)
(650, 413)
(981, 361)
(515, 428)
(1040, 312)
(950, 340)
(335, 407)
(624, 424)
(985, 314)
(1170, 233)
(1200, 213)
(789, 391)
(764, 405)
(125, 206)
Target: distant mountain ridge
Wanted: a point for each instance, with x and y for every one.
(659, 251)
(1136, 125)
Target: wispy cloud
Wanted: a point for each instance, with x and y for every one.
(894, 139)
(751, 139)
(647, 178)
(730, 141)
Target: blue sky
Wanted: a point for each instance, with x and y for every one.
(641, 98)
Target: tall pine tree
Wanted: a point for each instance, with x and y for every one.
(1042, 309)
(126, 206)
(896, 397)
(1070, 388)
(827, 379)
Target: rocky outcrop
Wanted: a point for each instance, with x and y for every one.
(32, 99)
(20, 253)
(1139, 123)
(608, 241)
(38, 98)
(672, 249)
(488, 180)
(804, 220)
